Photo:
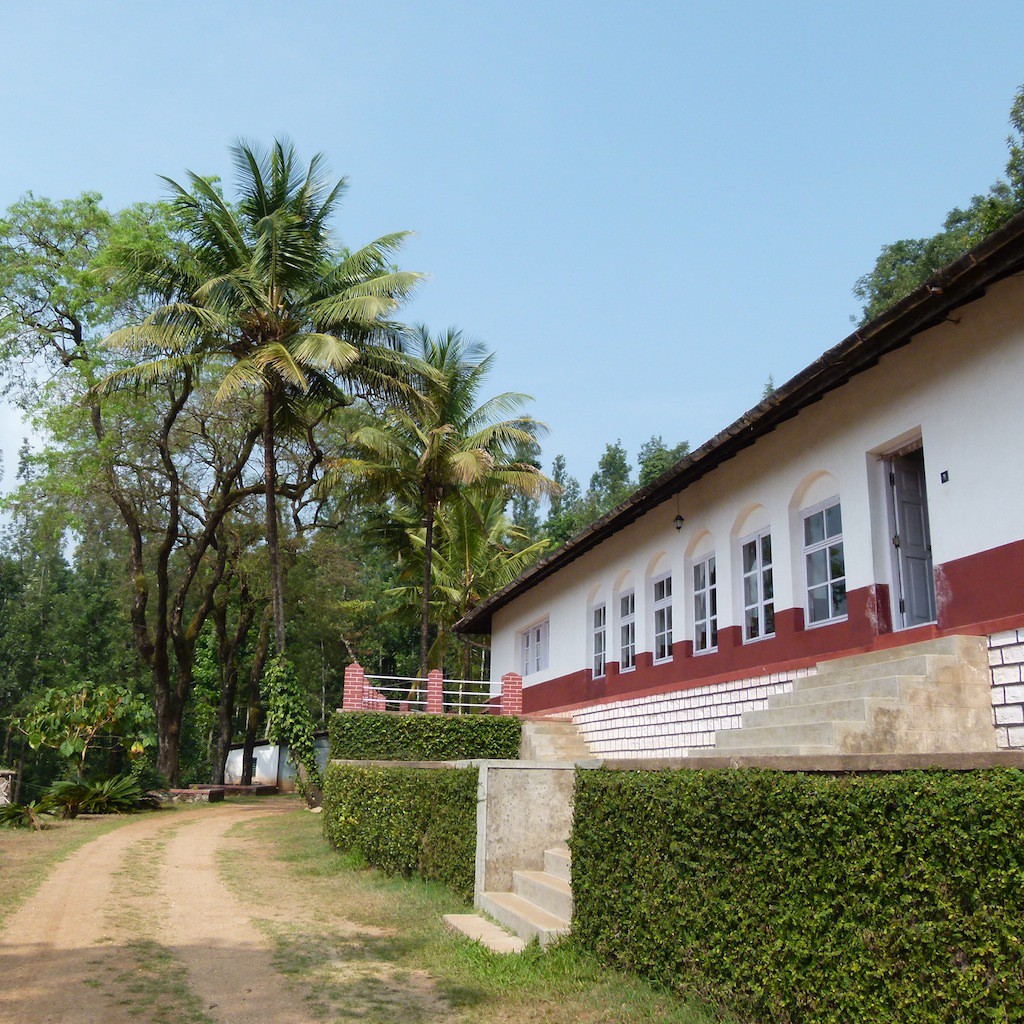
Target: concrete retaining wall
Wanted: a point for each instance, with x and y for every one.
(522, 810)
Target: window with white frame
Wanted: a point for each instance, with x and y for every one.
(825, 562)
(533, 648)
(599, 639)
(663, 618)
(627, 631)
(705, 605)
(758, 586)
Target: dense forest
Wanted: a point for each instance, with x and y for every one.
(245, 468)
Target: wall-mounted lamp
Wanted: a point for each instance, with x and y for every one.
(678, 521)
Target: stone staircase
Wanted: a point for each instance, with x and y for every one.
(539, 906)
(929, 697)
(552, 739)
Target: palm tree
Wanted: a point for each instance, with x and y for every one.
(264, 293)
(477, 550)
(430, 447)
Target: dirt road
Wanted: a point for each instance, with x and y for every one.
(136, 926)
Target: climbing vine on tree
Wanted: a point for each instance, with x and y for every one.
(289, 721)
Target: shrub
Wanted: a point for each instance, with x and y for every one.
(406, 820)
(121, 794)
(379, 736)
(811, 899)
(30, 815)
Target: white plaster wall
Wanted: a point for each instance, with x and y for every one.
(958, 386)
(265, 757)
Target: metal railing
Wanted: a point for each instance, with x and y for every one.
(411, 695)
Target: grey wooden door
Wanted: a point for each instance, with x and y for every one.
(913, 540)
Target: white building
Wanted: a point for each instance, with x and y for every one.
(875, 500)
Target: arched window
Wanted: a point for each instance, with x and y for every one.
(824, 562)
(704, 590)
(757, 574)
(660, 601)
(817, 514)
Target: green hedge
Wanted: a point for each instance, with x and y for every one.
(379, 736)
(406, 820)
(797, 898)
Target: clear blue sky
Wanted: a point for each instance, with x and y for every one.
(644, 209)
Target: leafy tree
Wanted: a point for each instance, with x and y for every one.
(524, 508)
(905, 264)
(565, 511)
(164, 461)
(426, 451)
(610, 485)
(655, 457)
(77, 720)
(289, 722)
(611, 482)
(479, 550)
(266, 295)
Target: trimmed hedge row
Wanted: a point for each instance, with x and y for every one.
(406, 820)
(379, 736)
(805, 898)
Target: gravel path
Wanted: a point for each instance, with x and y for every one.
(137, 926)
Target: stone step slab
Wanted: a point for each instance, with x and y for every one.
(951, 646)
(526, 919)
(487, 933)
(818, 734)
(922, 665)
(552, 740)
(558, 862)
(838, 690)
(848, 709)
(782, 750)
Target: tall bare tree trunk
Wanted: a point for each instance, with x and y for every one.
(253, 697)
(428, 552)
(168, 723)
(270, 492)
(228, 647)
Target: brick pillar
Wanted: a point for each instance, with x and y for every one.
(435, 692)
(352, 699)
(373, 699)
(511, 694)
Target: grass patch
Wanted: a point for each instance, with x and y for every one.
(27, 856)
(372, 948)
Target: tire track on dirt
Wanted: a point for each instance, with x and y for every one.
(70, 953)
(52, 945)
(229, 961)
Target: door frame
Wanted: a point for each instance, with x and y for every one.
(899, 609)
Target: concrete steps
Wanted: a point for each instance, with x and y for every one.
(552, 739)
(929, 697)
(910, 665)
(539, 906)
